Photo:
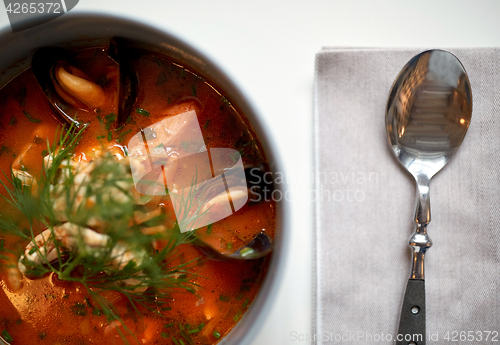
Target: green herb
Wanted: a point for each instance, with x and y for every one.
(207, 123)
(209, 229)
(101, 137)
(7, 336)
(175, 341)
(237, 316)
(110, 136)
(185, 335)
(229, 245)
(88, 302)
(4, 149)
(164, 335)
(79, 309)
(2, 244)
(235, 156)
(13, 120)
(89, 267)
(124, 133)
(245, 303)
(99, 118)
(194, 92)
(216, 334)
(42, 335)
(97, 311)
(223, 298)
(19, 321)
(31, 118)
(111, 117)
(197, 329)
(169, 325)
(44, 153)
(142, 112)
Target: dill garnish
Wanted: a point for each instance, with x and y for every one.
(103, 196)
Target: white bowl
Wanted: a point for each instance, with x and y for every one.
(94, 28)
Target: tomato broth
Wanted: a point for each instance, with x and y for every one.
(47, 309)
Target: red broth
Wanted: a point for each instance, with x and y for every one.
(49, 310)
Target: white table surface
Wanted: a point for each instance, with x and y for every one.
(269, 47)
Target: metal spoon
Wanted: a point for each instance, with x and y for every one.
(428, 113)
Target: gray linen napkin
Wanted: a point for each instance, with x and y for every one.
(365, 204)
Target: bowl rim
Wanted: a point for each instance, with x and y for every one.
(253, 319)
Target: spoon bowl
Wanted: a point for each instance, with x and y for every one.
(428, 113)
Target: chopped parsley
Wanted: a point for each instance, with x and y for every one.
(13, 120)
(79, 309)
(31, 118)
(142, 112)
(124, 133)
(4, 149)
(245, 303)
(237, 316)
(216, 334)
(207, 123)
(7, 336)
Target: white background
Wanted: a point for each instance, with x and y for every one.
(268, 47)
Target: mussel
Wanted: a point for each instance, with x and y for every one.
(260, 187)
(70, 91)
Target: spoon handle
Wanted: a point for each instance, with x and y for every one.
(412, 322)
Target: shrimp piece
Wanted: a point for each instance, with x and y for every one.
(14, 277)
(73, 237)
(44, 249)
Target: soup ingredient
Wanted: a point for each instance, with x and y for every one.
(75, 87)
(71, 194)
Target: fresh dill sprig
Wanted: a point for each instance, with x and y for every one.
(97, 195)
